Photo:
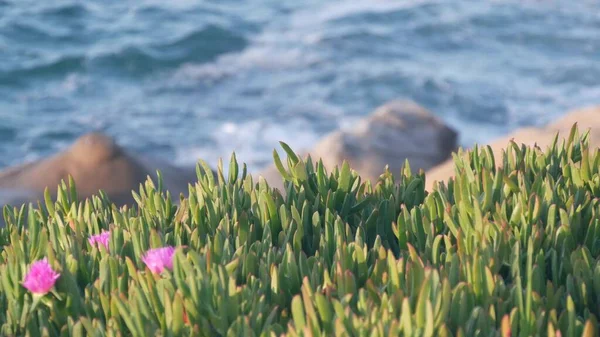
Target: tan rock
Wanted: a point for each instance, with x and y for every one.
(587, 118)
(273, 177)
(96, 163)
(394, 132)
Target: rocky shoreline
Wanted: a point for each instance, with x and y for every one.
(96, 162)
(395, 132)
(586, 118)
(401, 130)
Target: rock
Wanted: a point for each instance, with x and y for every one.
(587, 118)
(273, 177)
(96, 163)
(394, 132)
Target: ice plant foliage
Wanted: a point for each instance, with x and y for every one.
(41, 277)
(102, 238)
(159, 258)
(507, 247)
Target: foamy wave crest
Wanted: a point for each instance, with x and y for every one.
(338, 10)
(283, 45)
(252, 142)
(260, 56)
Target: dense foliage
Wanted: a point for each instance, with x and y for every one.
(508, 248)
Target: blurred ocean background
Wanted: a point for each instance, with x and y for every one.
(189, 79)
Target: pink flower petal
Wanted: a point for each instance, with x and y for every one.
(102, 238)
(41, 278)
(159, 258)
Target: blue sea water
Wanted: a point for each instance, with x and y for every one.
(198, 79)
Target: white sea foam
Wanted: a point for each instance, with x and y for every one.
(253, 142)
(340, 9)
(260, 56)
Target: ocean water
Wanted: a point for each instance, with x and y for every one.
(188, 79)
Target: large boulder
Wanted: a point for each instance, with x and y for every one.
(587, 119)
(394, 132)
(96, 163)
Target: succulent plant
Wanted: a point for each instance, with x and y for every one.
(503, 249)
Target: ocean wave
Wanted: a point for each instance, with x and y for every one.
(52, 68)
(200, 46)
(256, 57)
(347, 9)
(293, 43)
(66, 11)
(32, 34)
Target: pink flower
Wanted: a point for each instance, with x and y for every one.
(158, 259)
(41, 277)
(102, 238)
